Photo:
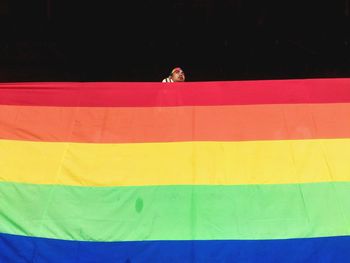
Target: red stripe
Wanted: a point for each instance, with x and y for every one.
(130, 94)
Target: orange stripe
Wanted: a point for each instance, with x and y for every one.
(163, 124)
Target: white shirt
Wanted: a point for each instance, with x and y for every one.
(167, 80)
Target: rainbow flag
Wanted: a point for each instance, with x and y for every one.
(246, 171)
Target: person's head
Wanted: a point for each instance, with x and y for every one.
(177, 75)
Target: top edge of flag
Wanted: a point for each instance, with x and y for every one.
(150, 94)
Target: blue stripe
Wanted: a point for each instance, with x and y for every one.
(18, 249)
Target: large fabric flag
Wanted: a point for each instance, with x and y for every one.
(245, 171)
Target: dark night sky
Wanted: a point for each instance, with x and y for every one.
(65, 40)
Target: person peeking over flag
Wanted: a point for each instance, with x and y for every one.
(176, 75)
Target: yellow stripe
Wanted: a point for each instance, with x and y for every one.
(219, 163)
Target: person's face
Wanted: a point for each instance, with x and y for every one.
(178, 75)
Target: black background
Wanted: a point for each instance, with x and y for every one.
(75, 40)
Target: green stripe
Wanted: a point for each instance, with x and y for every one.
(175, 212)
